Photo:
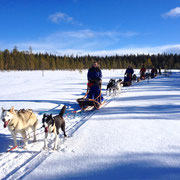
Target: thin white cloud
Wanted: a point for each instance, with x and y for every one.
(89, 34)
(81, 34)
(129, 34)
(173, 13)
(81, 39)
(53, 49)
(83, 42)
(124, 51)
(62, 17)
(138, 50)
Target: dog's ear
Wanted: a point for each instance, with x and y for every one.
(12, 109)
(2, 109)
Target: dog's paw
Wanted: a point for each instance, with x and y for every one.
(55, 148)
(45, 148)
(25, 147)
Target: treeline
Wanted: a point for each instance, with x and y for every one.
(26, 60)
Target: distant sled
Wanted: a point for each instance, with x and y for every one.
(93, 97)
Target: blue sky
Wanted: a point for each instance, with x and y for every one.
(96, 27)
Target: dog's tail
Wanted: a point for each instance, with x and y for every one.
(62, 111)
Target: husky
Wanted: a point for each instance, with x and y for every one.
(19, 121)
(134, 78)
(138, 79)
(52, 125)
(119, 85)
(114, 86)
(111, 86)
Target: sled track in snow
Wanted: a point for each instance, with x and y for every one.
(18, 163)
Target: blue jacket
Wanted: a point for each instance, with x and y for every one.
(94, 93)
(129, 71)
(94, 74)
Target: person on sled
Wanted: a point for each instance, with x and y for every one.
(94, 74)
(153, 72)
(128, 75)
(127, 81)
(142, 73)
(94, 77)
(129, 72)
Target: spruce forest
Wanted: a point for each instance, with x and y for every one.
(26, 60)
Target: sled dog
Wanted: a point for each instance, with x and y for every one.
(134, 78)
(52, 125)
(19, 121)
(111, 86)
(114, 87)
(119, 85)
(138, 79)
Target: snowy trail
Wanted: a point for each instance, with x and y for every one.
(17, 163)
(119, 143)
(154, 112)
(27, 160)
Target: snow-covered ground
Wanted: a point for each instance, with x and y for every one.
(136, 135)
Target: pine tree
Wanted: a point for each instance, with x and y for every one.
(21, 63)
(30, 50)
(6, 59)
(52, 64)
(148, 63)
(1, 61)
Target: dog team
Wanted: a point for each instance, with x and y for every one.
(19, 121)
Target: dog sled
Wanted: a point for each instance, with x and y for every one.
(93, 98)
(127, 80)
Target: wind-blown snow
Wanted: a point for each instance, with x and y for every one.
(134, 136)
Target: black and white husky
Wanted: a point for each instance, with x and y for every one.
(52, 125)
(111, 87)
(114, 86)
(119, 85)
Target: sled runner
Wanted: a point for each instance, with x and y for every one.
(93, 97)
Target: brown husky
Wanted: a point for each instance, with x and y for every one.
(19, 122)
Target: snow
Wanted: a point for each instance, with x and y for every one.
(134, 136)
